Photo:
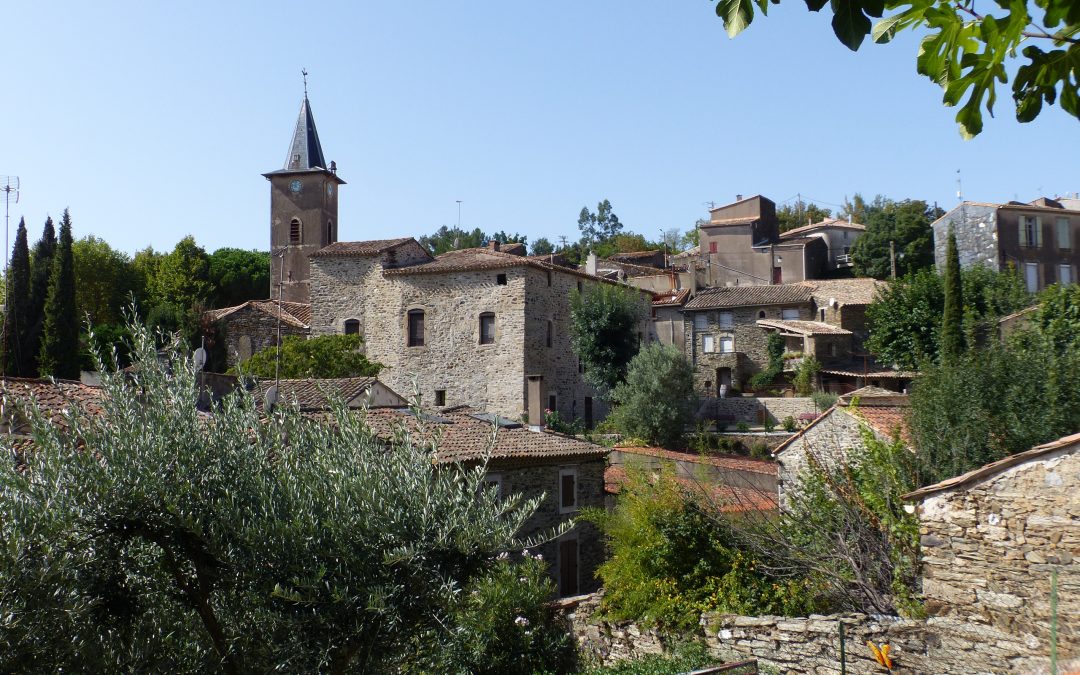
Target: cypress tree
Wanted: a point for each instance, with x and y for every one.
(952, 324)
(40, 269)
(17, 317)
(59, 355)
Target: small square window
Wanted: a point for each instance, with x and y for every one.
(701, 322)
(500, 279)
(440, 397)
(727, 319)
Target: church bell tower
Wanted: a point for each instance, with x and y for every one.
(303, 209)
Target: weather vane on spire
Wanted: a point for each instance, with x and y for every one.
(303, 71)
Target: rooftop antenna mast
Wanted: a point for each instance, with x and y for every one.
(459, 214)
(9, 185)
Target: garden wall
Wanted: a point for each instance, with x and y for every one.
(812, 644)
(731, 411)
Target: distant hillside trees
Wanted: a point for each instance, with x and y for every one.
(906, 224)
(454, 238)
(800, 213)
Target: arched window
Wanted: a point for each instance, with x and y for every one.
(487, 328)
(296, 231)
(329, 232)
(416, 328)
(352, 327)
(761, 314)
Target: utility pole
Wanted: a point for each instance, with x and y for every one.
(892, 257)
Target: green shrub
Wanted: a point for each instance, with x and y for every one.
(554, 422)
(743, 427)
(760, 450)
(684, 657)
(322, 356)
(790, 424)
(657, 401)
(823, 400)
(806, 376)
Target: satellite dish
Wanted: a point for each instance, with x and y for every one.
(270, 398)
(199, 359)
(833, 303)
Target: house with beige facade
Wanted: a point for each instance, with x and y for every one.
(838, 237)
(478, 327)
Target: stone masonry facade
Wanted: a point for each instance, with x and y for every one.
(532, 479)
(529, 305)
(989, 550)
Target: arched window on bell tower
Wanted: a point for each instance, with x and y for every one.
(329, 232)
(296, 231)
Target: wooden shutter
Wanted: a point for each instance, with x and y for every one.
(1038, 231)
(568, 567)
(1023, 231)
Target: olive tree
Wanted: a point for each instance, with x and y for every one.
(151, 536)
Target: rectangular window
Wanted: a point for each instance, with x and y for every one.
(822, 315)
(551, 402)
(1031, 276)
(487, 328)
(416, 328)
(1064, 238)
(500, 279)
(1030, 231)
(701, 322)
(790, 315)
(727, 319)
(568, 490)
(568, 568)
(708, 344)
(727, 345)
(440, 397)
(494, 481)
(352, 327)
(712, 247)
(1065, 274)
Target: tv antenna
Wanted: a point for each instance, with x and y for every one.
(9, 185)
(458, 215)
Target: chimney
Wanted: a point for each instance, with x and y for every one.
(590, 264)
(493, 245)
(738, 198)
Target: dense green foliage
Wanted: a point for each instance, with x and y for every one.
(805, 380)
(541, 247)
(17, 318)
(1003, 398)
(774, 347)
(672, 556)
(237, 276)
(502, 624)
(846, 527)
(800, 213)
(967, 52)
(454, 238)
(59, 351)
(104, 281)
(322, 356)
(154, 538)
(40, 269)
(905, 323)
(656, 402)
(604, 325)
(904, 223)
(952, 319)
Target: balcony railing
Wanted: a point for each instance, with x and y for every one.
(843, 260)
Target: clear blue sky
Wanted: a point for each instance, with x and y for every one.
(153, 120)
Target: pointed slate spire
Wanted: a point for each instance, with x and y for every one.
(305, 151)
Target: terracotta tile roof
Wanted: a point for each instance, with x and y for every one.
(297, 314)
(732, 462)
(887, 421)
(862, 291)
(513, 248)
(634, 255)
(54, 398)
(466, 438)
(1072, 443)
(630, 269)
(360, 248)
(796, 242)
(671, 298)
(720, 222)
(312, 394)
(729, 499)
(868, 392)
(750, 296)
(803, 327)
(692, 251)
(827, 223)
(873, 370)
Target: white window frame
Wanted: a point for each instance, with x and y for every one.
(573, 507)
(701, 321)
(790, 314)
(708, 344)
(728, 340)
(1035, 225)
(1028, 269)
(1064, 234)
(1065, 275)
(726, 319)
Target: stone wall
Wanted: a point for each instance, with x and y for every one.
(751, 410)
(938, 646)
(974, 244)
(532, 479)
(830, 439)
(988, 549)
(248, 330)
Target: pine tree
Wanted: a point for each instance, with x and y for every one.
(952, 326)
(59, 355)
(17, 318)
(40, 269)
